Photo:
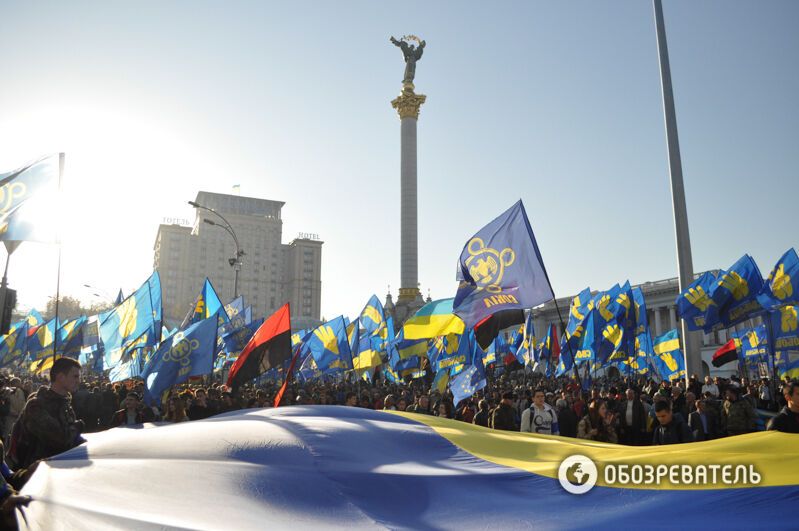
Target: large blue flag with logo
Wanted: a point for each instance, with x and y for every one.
(694, 301)
(18, 190)
(781, 286)
(501, 269)
(187, 353)
(133, 324)
(330, 347)
(735, 295)
(669, 361)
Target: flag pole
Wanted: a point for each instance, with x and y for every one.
(61, 158)
(568, 345)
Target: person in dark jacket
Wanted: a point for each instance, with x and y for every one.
(632, 420)
(503, 417)
(703, 423)
(672, 428)
(788, 419)
(738, 415)
(481, 418)
(199, 409)
(133, 412)
(110, 405)
(567, 419)
(47, 425)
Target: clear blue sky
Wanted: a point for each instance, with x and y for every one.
(558, 103)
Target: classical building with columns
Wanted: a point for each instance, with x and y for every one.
(661, 311)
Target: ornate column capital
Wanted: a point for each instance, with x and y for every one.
(408, 103)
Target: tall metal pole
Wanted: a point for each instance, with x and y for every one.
(61, 158)
(685, 268)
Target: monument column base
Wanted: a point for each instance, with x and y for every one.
(407, 295)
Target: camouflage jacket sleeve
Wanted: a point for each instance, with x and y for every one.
(46, 429)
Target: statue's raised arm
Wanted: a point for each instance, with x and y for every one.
(411, 54)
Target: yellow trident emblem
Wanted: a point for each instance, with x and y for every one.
(487, 265)
(181, 349)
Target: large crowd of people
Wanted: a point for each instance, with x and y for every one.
(41, 418)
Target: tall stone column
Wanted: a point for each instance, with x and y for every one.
(658, 329)
(407, 105)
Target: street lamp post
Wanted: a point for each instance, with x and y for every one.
(235, 262)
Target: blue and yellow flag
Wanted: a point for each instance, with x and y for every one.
(447, 353)
(364, 347)
(693, 303)
(329, 346)
(641, 319)
(12, 345)
(132, 324)
(434, 319)
(779, 289)
(129, 366)
(501, 269)
(785, 328)
(70, 337)
(579, 310)
(189, 352)
(372, 317)
(524, 353)
(17, 212)
(735, 295)
(235, 307)
(644, 353)
(669, 360)
(32, 320)
(472, 377)
(41, 341)
(206, 305)
(754, 342)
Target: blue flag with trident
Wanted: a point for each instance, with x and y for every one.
(501, 269)
(133, 324)
(185, 353)
(17, 189)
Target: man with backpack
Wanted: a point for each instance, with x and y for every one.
(47, 425)
(540, 417)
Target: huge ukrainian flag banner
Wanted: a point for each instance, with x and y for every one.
(333, 466)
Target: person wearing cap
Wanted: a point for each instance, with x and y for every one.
(132, 413)
(503, 417)
(738, 416)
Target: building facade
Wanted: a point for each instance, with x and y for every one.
(661, 309)
(271, 273)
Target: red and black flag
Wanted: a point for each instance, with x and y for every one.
(269, 347)
(727, 353)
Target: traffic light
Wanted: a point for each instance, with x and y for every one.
(10, 301)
